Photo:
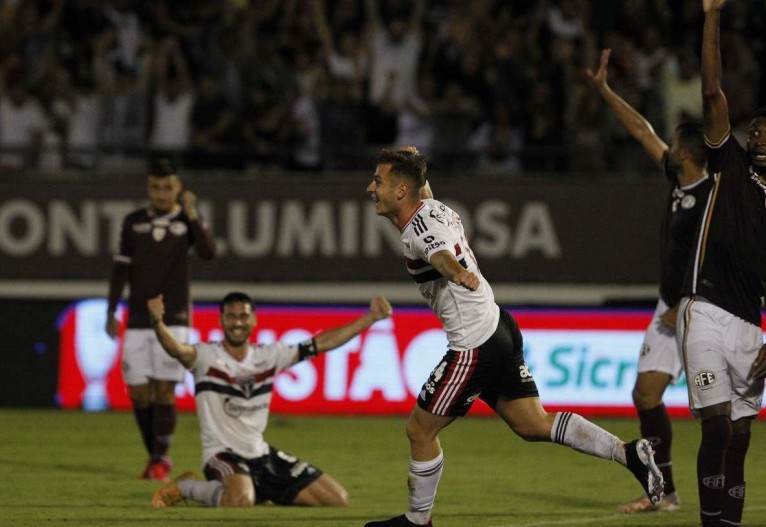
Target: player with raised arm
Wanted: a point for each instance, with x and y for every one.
(660, 362)
(484, 358)
(719, 323)
(233, 385)
(153, 258)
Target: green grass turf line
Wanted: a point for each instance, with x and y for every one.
(73, 468)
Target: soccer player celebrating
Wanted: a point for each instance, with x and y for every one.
(484, 357)
(233, 384)
(720, 319)
(660, 362)
(153, 258)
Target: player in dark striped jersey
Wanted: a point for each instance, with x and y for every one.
(660, 361)
(153, 259)
(485, 356)
(233, 385)
(719, 324)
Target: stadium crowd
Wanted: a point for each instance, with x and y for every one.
(497, 86)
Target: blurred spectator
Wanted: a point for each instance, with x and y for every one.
(682, 88)
(395, 48)
(213, 128)
(23, 126)
(497, 143)
(174, 99)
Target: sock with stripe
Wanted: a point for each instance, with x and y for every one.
(206, 492)
(655, 426)
(422, 481)
(580, 434)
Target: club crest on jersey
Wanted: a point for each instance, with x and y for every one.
(178, 228)
(704, 380)
(158, 233)
(688, 201)
(437, 215)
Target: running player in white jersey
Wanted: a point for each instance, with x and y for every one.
(484, 358)
(233, 385)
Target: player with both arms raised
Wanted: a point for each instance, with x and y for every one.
(233, 385)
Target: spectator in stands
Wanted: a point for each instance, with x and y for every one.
(174, 98)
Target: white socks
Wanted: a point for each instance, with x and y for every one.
(205, 492)
(582, 435)
(423, 480)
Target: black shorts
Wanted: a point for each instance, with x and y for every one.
(277, 477)
(496, 368)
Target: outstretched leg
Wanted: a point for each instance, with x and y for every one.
(527, 418)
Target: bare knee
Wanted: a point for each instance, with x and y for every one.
(163, 392)
(140, 395)
(418, 435)
(238, 491)
(236, 498)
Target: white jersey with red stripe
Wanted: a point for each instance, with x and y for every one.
(469, 317)
(233, 396)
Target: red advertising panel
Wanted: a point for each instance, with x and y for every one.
(582, 359)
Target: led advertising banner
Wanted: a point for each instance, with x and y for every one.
(581, 359)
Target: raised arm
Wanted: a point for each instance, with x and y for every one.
(380, 308)
(714, 105)
(633, 122)
(204, 242)
(183, 353)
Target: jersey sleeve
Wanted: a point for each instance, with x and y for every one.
(728, 153)
(124, 252)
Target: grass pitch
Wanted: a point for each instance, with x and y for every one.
(71, 468)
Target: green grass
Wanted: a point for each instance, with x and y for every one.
(71, 468)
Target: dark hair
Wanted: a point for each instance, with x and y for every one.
(235, 297)
(162, 167)
(760, 112)
(691, 137)
(405, 161)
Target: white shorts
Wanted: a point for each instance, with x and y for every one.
(143, 357)
(718, 350)
(660, 351)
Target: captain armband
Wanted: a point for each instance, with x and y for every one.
(307, 349)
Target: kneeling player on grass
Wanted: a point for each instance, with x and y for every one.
(233, 382)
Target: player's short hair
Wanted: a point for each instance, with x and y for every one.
(691, 137)
(162, 167)
(760, 112)
(236, 297)
(405, 161)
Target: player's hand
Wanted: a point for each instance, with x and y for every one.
(189, 204)
(712, 5)
(758, 369)
(112, 326)
(598, 79)
(380, 308)
(156, 308)
(668, 318)
(467, 279)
